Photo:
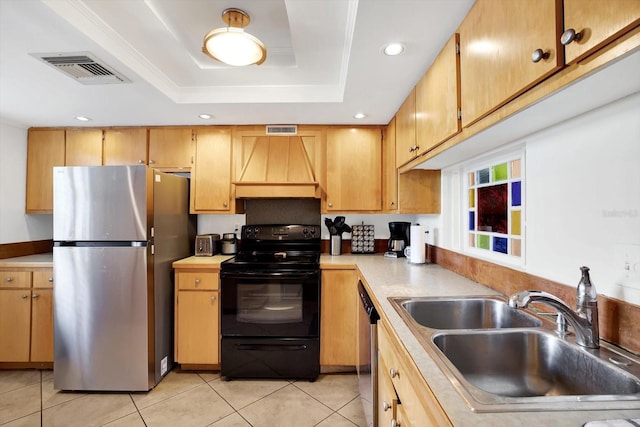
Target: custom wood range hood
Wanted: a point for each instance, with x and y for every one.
(277, 166)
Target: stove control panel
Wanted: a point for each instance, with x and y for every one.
(280, 232)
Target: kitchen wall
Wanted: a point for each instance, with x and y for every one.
(15, 226)
(582, 200)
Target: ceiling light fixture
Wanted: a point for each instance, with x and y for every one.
(359, 115)
(205, 116)
(83, 118)
(393, 49)
(231, 44)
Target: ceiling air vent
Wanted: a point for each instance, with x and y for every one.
(282, 130)
(83, 67)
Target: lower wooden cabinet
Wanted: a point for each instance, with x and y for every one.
(197, 317)
(416, 405)
(26, 315)
(338, 317)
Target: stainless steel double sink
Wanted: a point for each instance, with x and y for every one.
(502, 359)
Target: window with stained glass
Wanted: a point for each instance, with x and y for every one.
(495, 205)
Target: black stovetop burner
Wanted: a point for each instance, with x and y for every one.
(270, 246)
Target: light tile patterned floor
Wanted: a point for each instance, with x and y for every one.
(27, 399)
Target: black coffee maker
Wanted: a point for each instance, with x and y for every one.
(399, 238)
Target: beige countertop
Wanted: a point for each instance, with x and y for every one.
(201, 261)
(29, 261)
(389, 277)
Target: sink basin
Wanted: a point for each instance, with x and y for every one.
(466, 313)
(532, 363)
(500, 359)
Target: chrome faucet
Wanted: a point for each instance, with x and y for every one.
(584, 320)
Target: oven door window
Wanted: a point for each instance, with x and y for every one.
(270, 305)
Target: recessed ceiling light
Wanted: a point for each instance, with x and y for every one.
(205, 116)
(83, 118)
(393, 49)
(360, 115)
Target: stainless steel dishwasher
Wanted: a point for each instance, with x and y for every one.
(368, 355)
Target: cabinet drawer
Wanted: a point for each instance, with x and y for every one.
(43, 279)
(15, 279)
(197, 280)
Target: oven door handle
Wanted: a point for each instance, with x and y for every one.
(268, 275)
(271, 347)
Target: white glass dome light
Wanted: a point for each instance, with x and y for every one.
(232, 45)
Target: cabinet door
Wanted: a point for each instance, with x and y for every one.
(42, 325)
(497, 41)
(15, 321)
(198, 328)
(125, 146)
(438, 99)
(354, 169)
(419, 191)
(45, 149)
(338, 318)
(83, 147)
(171, 148)
(389, 169)
(598, 22)
(387, 399)
(211, 180)
(406, 130)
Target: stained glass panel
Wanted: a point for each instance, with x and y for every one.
(516, 247)
(472, 220)
(483, 176)
(515, 169)
(500, 244)
(516, 193)
(483, 241)
(500, 172)
(472, 198)
(472, 179)
(492, 208)
(515, 223)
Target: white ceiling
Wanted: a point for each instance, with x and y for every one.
(324, 60)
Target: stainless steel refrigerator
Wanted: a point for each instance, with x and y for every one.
(116, 231)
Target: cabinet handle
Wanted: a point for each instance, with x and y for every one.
(34, 296)
(539, 54)
(151, 162)
(225, 204)
(24, 296)
(9, 279)
(393, 373)
(412, 149)
(392, 203)
(213, 298)
(385, 406)
(395, 423)
(197, 282)
(330, 205)
(50, 279)
(569, 36)
(141, 162)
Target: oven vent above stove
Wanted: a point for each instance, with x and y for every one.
(82, 67)
(282, 130)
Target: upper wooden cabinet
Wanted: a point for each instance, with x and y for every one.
(438, 99)
(45, 149)
(171, 149)
(126, 146)
(211, 179)
(354, 169)
(406, 130)
(506, 47)
(389, 169)
(83, 147)
(596, 23)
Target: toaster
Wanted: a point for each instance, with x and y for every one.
(207, 244)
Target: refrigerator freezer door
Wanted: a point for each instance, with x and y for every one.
(100, 203)
(101, 318)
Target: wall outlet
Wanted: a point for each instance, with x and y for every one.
(628, 266)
